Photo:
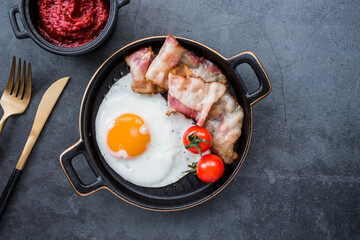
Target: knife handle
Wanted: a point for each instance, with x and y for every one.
(30, 142)
(9, 189)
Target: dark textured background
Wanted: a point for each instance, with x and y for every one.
(301, 179)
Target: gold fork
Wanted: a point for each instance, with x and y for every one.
(15, 100)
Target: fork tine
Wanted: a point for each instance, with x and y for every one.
(27, 94)
(21, 90)
(15, 90)
(11, 77)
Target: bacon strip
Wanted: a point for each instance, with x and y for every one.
(201, 67)
(190, 59)
(139, 63)
(209, 72)
(224, 122)
(168, 57)
(150, 73)
(192, 96)
(176, 104)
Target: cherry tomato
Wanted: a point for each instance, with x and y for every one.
(197, 137)
(210, 168)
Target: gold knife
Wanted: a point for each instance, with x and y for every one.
(47, 103)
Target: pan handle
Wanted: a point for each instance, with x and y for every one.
(14, 24)
(66, 164)
(264, 82)
(122, 3)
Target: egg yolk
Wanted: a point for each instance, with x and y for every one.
(128, 136)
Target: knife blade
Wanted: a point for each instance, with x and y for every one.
(45, 107)
(47, 103)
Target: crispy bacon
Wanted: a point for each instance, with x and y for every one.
(201, 67)
(192, 96)
(168, 57)
(190, 59)
(176, 104)
(224, 122)
(209, 72)
(150, 73)
(139, 63)
(202, 72)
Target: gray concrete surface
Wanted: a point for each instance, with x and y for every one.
(301, 179)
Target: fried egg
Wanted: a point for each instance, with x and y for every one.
(138, 140)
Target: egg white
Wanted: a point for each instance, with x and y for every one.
(165, 160)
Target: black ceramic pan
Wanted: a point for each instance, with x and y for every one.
(189, 191)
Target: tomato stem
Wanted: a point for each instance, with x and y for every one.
(192, 167)
(195, 142)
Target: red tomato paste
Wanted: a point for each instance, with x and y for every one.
(72, 23)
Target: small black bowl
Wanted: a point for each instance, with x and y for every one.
(27, 9)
